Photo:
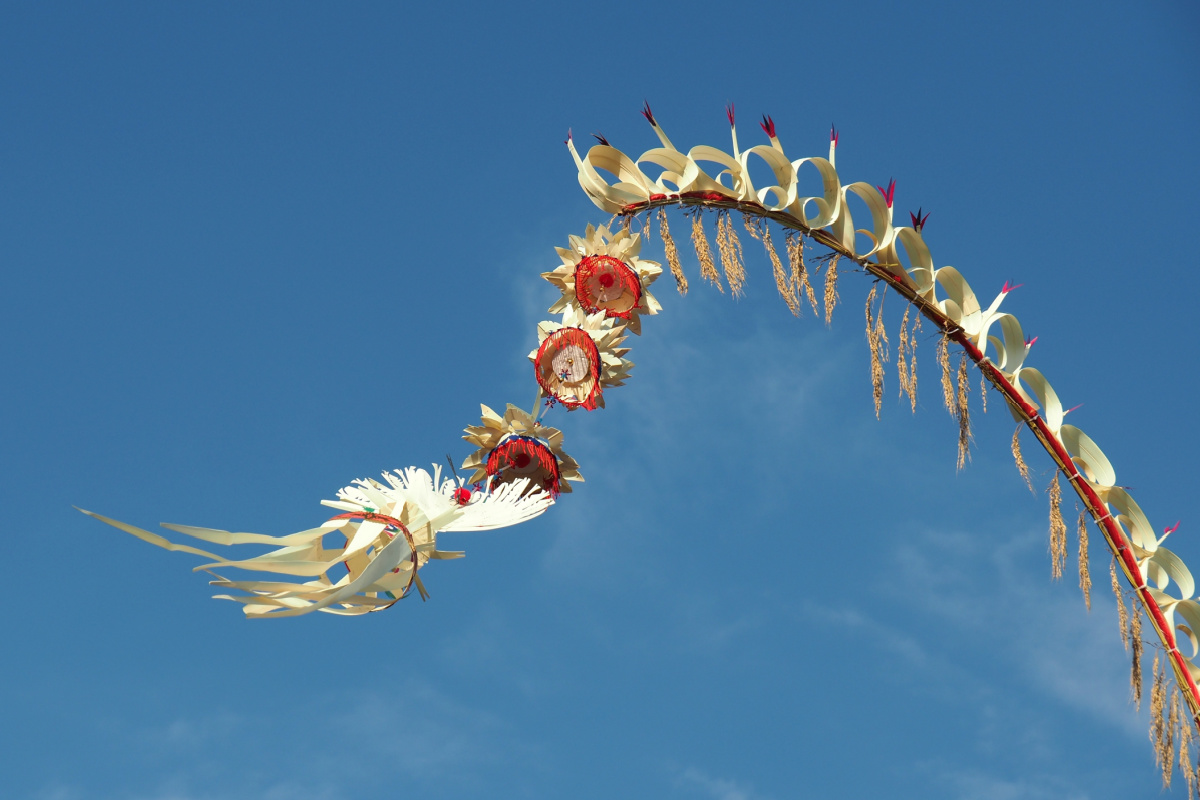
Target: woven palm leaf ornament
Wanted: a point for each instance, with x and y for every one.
(368, 557)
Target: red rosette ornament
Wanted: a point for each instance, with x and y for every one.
(514, 447)
(601, 273)
(577, 358)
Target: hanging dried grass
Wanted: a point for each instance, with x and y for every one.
(912, 362)
(1184, 753)
(708, 268)
(762, 231)
(799, 280)
(1021, 466)
(876, 363)
(1135, 640)
(943, 357)
(1169, 739)
(983, 387)
(730, 250)
(1158, 721)
(902, 356)
(1085, 576)
(1122, 615)
(881, 332)
(1058, 531)
(831, 293)
(964, 415)
(672, 252)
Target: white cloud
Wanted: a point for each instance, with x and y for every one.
(699, 783)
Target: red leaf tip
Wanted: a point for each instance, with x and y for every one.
(647, 113)
(729, 114)
(918, 222)
(768, 126)
(889, 192)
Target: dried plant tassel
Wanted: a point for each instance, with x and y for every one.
(787, 291)
(881, 332)
(964, 416)
(983, 387)
(831, 294)
(1058, 531)
(672, 252)
(1085, 576)
(1184, 759)
(730, 250)
(795, 251)
(1158, 722)
(1122, 615)
(1170, 738)
(876, 365)
(1021, 466)
(912, 362)
(1135, 640)
(708, 268)
(902, 356)
(943, 357)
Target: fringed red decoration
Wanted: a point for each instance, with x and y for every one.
(524, 457)
(568, 368)
(462, 496)
(604, 283)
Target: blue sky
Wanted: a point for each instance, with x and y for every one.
(253, 252)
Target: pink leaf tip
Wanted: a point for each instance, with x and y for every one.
(729, 114)
(833, 135)
(1008, 287)
(568, 139)
(600, 138)
(1171, 529)
(768, 126)
(889, 192)
(648, 114)
(918, 222)
(1031, 342)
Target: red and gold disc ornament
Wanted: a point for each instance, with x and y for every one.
(577, 358)
(515, 446)
(601, 273)
(524, 457)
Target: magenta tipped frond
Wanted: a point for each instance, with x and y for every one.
(648, 114)
(768, 126)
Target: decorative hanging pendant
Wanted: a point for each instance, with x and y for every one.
(515, 448)
(577, 358)
(601, 273)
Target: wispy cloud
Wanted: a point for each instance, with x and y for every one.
(699, 783)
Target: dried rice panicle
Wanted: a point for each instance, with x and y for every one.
(1122, 614)
(964, 413)
(799, 279)
(708, 267)
(902, 356)
(831, 293)
(1184, 753)
(672, 252)
(876, 364)
(943, 358)
(730, 250)
(1085, 576)
(912, 361)
(1020, 459)
(1135, 640)
(1058, 530)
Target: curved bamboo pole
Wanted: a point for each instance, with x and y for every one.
(1113, 536)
